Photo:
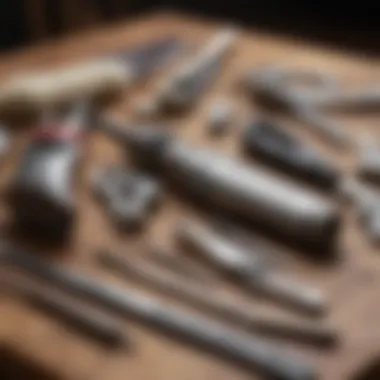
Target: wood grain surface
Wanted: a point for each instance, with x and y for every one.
(352, 284)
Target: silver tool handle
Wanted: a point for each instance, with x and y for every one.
(329, 129)
(250, 192)
(288, 291)
(213, 247)
(199, 331)
(280, 86)
(251, 271)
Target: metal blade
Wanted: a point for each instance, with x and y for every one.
(148, 58)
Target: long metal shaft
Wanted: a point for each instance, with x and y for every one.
(202, 332)
(98, 327)
(249, 270)
(187, 291)
(183, 87)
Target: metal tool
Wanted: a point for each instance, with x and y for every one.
(202, 332)
(33, 93)
(178, 265)
(268, 141)
(42, 194)
(250, 270)
(183, 88)
(367, 202)
(369, 159)
(280, 87)
(315, 334)
(92, 324)
(129, 197)
(221, 115)
(233, 187)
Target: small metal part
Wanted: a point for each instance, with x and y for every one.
(220, 117)
(369, 159)
(251, 270)
(315, 334)
(129, 197)
(266, 140)
(367, 202)
(202, 332)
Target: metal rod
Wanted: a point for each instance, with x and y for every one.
(179, 265)
(99, 327)
(94, 325)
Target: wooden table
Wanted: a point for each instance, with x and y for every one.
(352, 284)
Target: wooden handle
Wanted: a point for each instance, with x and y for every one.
(41, 91)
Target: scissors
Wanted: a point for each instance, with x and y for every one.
(307, 93)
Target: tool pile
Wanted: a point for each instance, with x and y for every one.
(43, 201)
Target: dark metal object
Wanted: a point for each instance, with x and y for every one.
(251, 271)
(129, 197)
(318, 335)
(199, 331)
(231, 186)
(42, 194)
(267, 141)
